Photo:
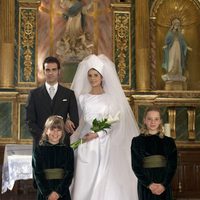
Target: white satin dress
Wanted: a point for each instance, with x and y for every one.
(99, 173)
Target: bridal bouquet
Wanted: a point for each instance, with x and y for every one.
(98, 125)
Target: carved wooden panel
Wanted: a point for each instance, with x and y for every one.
(186, 183)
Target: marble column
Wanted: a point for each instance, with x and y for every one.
(7, 21)
(142, 46)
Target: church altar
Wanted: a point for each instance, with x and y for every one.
(16, 165)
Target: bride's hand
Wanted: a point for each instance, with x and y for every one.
(89, 136)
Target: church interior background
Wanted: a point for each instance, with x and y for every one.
(134, 35)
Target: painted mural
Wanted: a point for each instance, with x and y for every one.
(71, 30)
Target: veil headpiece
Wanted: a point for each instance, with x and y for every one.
(112, 86)
(93, 62)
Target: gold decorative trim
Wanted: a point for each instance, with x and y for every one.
(173, 3)
(146, 97)
(152, 55)
(191, 123)
(29, 1)
(8, 94)
(188, 144)
(122, 44)
(27, 48)
(154, 8)
(178, 94)
(121, 5)
(28, 18)
(172, 121)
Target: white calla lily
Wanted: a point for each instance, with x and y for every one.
(114, 119)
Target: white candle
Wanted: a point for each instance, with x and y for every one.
(167, 129)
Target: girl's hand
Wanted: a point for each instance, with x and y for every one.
(89, 136)
(53, 196)
(157, 188)
(160, 189)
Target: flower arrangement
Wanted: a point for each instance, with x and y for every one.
(98, 125)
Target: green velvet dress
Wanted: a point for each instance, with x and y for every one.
(144, 146)
(50, 156)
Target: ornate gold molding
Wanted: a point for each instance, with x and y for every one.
(30, 1)
(178, 94)
(191, 123)
(122, 42)
(172, 121)
(121, 38)
(27, 43)
(178, 5)
(28, 18)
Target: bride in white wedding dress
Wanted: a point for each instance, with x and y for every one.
(103, 163)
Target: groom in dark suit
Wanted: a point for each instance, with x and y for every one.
(51, 99)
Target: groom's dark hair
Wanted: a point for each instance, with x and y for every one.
(51, 59)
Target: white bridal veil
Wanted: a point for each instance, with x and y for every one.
(112, 86)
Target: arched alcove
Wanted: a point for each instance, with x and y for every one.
(162, 13)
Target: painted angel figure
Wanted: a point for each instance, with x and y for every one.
(75, 42)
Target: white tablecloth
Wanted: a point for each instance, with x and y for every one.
(16, 165)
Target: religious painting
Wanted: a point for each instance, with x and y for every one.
(76, 43)
(69, 30)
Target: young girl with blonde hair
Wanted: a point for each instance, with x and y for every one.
(53, 162)
(154, 158)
